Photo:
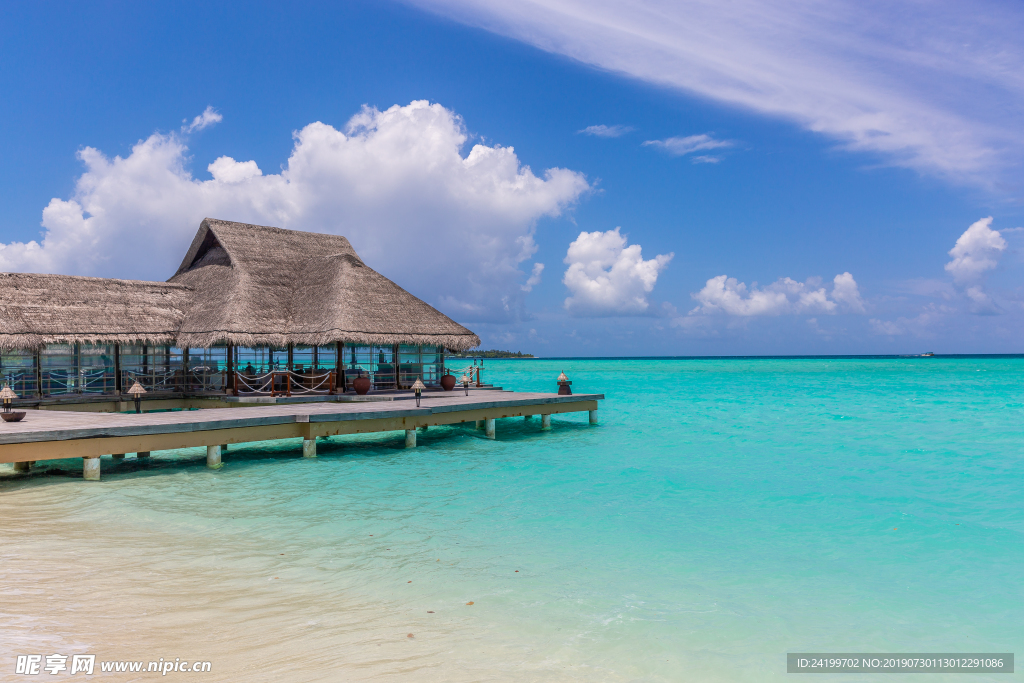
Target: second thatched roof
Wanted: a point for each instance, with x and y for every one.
(255, 285)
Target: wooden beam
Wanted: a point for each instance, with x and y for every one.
(92, 447)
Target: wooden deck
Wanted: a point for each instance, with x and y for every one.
(51, 434)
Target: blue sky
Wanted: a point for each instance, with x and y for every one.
(785, 181)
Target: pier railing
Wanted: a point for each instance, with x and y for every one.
(284, 383)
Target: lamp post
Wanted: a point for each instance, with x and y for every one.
(465, 383)
(8, 395)
(563, 385)
(136, 393)
(417, 389)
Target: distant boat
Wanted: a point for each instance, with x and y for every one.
(928, 355)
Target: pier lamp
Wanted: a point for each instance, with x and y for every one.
(8, 395)
(417, 389)
(563, 385)
(136, 393)
(465, 383)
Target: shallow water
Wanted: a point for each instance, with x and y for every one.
(723, 513)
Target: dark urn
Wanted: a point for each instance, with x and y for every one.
(361, 384)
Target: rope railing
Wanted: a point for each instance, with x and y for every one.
(284, 383)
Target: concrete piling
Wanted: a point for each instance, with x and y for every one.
(410, 438)
(118, 456)
(309, 448)
(479, 424)
(593, 417)
(489, 428)
(22, 466)
(91, 468)
(213, 457)
(142, 454)
(545, 423)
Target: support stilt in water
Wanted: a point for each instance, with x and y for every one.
(545, 423)
(527, 418)
(479, 424)
(142, 454)
(91, 468)
(22, 466)
(118, 456)
(489, 428)
(213, 457)
(593, 417)
(309, 448)
(410, 438)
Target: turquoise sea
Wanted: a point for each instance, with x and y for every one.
(723, 513)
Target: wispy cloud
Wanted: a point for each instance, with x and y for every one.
(931, 86)
(603, 131)
(689, 144)
(209, 117)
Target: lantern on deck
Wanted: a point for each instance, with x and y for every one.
(465, 383)
(136, 393)
(417, 389)
(8, 395)
(563, 385)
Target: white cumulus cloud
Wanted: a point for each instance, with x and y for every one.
(452, 228)
(608, 277)
(785, 296)
(603, 131)
(976, 252)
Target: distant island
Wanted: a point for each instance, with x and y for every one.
(491, 354)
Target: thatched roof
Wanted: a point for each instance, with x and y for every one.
(55, 309)
(255, 285)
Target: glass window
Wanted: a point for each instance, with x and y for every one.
(156, 368)
(96, 368)
(376, 362)
(327, 357)
(424, 362)
(19, 370)
(259, 360)
(58, 366)
(208, 369)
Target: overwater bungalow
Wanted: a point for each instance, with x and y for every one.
(251, 311)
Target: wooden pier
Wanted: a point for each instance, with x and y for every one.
(55, 434)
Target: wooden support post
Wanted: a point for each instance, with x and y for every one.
(545, 423)
(410, 438)
(213, 457)
(593, 417)
(118, 456)
(489, 428)
(309, 448)
(91, 468)
(22, 466)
